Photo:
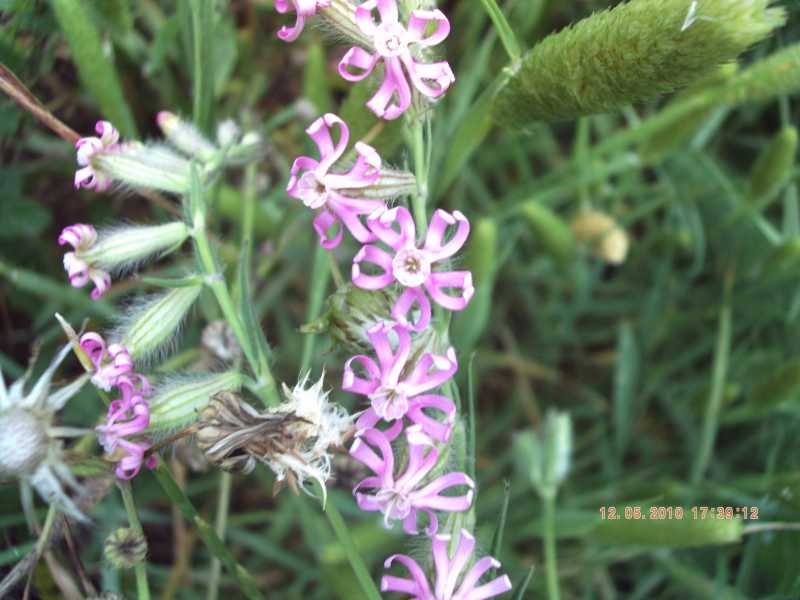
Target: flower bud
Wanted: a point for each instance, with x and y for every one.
(550, 230)
(180, 401)
(606, 239)
(773, 168)
(127, 246)
(125, 548)
(151, 166)
(185, 136)
(389, 184)
(23, 443)
(154, 324)
(351, 312)
(340, 17)
(544, 455)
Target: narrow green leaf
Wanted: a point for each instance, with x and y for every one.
(94, 66)
(626, 377)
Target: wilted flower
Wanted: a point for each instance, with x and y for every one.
(29, 446)
(88, 147)
(393, 386)
(335, 195)
(110, 361)
(448, 574)
(81, 237)
(129, 416)
(412, 267)
(398, 47)
(404, 495)
(294, 439)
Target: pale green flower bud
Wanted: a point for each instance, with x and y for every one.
(185, 136)
(127, 246)
(544, 456)
(179, 402)
(153, 324)
(125, 548)
(350, 312)
(151, 166)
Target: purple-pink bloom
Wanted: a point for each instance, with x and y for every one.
(87, 147)
(110, 362)
(405, 495)
(304, 9)
(128, 416)
(448, 573)
(412, 267)
(335, 195)
(394, 45)
(81, 236)
(394, 387)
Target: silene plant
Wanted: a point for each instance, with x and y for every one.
(396, 423)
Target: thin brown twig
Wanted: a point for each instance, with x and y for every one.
(12, 86)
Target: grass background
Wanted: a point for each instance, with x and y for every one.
(705, 310)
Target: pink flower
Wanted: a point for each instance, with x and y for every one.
(87, 147)
(447, 574)
(333, 194)
(110, 362)
(396, 388)
(402, 497)
(304, 9)
(395, 45)
(127, 416)
(81, 236)
(412, 267)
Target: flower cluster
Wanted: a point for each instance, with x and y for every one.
(402, 49)
(128, 416)
(403, 435)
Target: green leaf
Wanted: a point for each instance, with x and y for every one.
(667, 533)
(94, 66)
(626, 378)
(20, 216)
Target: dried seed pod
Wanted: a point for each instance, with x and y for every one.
(233, 435)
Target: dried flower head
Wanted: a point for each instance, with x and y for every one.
(294, 440)
(125, 548)
(30, 449)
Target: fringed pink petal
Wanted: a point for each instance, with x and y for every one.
(394, 227)
(404, 306)
(418, 23)
(435, 245)
(358, 385)
(460, 281)
(431, 371)
(357, 64)
(395, 85)
(417, 585)
(430, 79)
(369, 419)
(323, 223)
(436, 429)
(376, 256)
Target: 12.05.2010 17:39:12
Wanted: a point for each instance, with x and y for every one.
(637, 513)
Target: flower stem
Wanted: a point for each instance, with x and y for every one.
(356, 562)
(219, 287)
(223, 506)
(142, 586)
(419, 200)
(550, 556)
